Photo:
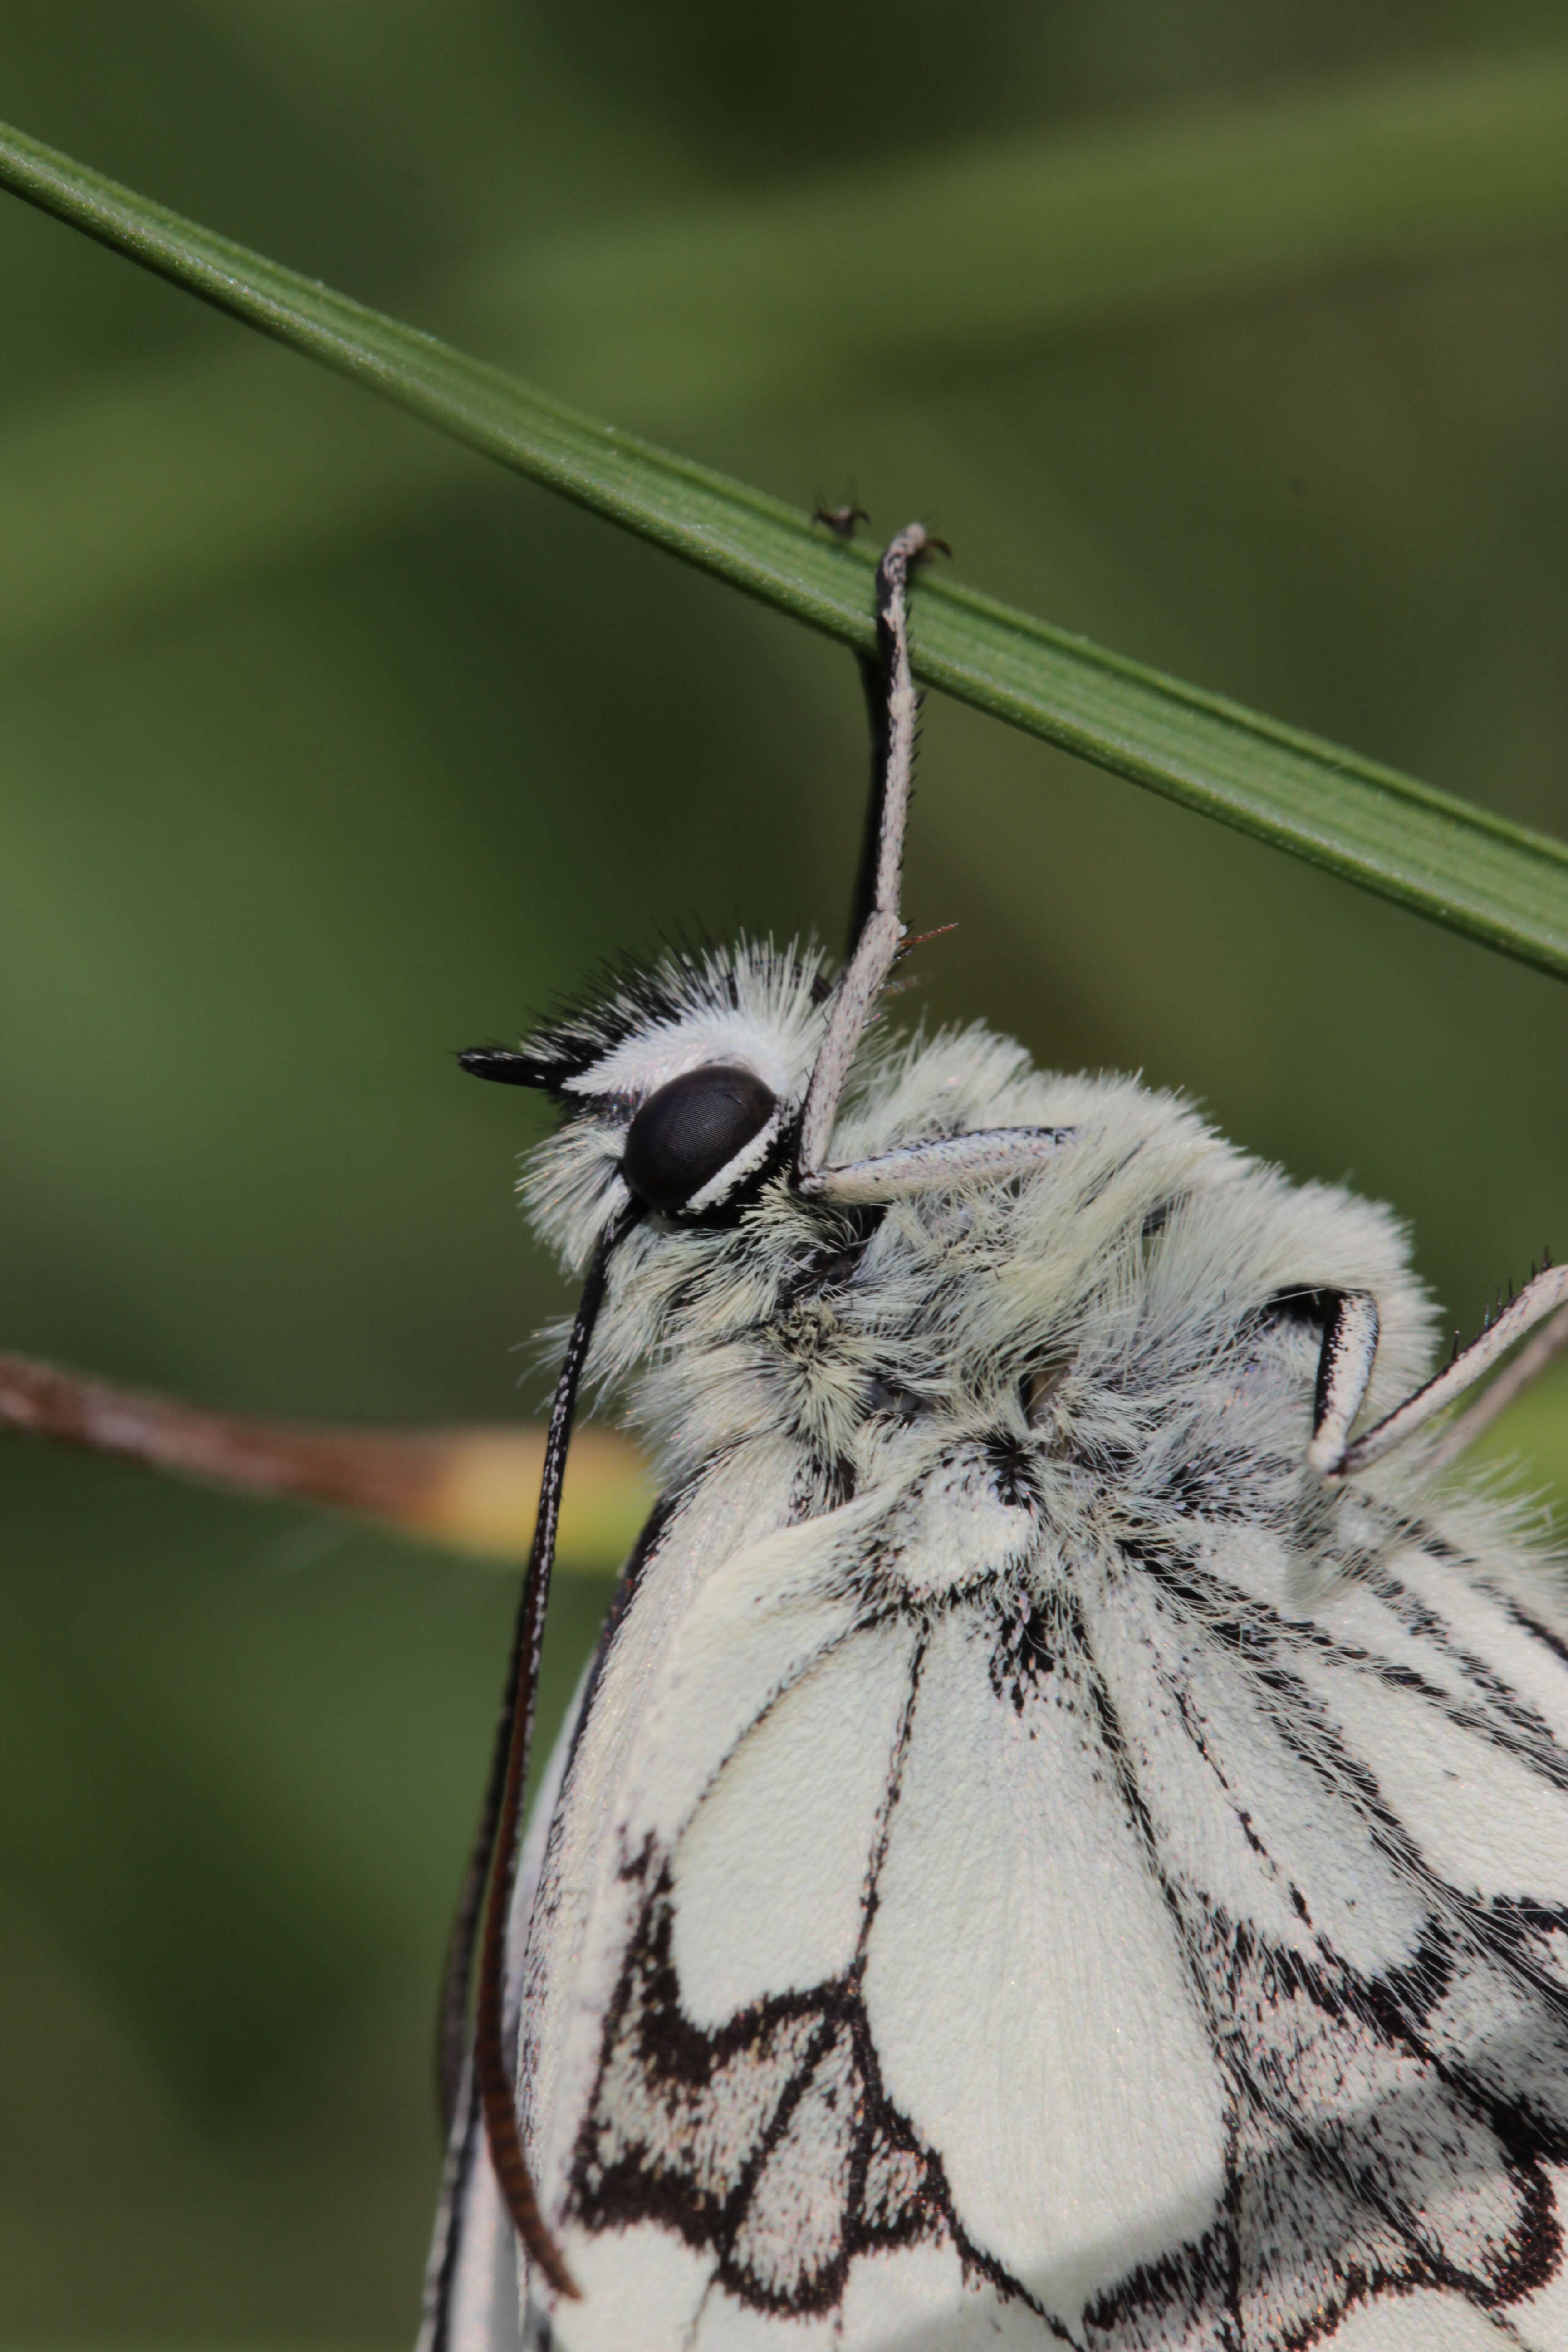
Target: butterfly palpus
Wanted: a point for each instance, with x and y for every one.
(1065, 1838)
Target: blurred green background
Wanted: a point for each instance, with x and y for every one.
(325, 749)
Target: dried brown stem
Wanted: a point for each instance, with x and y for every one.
(476, 1488)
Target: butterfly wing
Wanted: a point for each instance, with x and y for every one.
(1356, 1799)
(867, 2016)
(1127, 1948)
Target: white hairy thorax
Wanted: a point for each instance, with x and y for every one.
(1033, 1862)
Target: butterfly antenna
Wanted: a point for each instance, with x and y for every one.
(874, 685)
(457, 1977)
(494, 1857)
(895, 709)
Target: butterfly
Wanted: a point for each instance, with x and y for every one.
(1064, 1840)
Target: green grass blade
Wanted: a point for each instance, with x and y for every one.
(822, 291)
(1458, 866)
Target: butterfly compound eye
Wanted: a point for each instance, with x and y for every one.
(686, 1132)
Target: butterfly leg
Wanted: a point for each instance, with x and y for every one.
(993, 1152)
(881, 931)
(1546, 1295)
(1528, 1364)
(1344, 1374)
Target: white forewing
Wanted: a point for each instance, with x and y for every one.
(1484, 1819)
(481, 2306)
(639, 2285)
(1423, 2322)
(1030, 2003)
(590, 1893)
(727, 2326)
(1245, 1824)
(756, 1622)
(1486, 1622)
(772, 1879)
(918, 2299)
(923, 2296)
(1540, 2320)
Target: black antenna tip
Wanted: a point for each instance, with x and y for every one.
(507, 1069)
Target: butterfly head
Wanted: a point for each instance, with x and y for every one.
(681, 1085)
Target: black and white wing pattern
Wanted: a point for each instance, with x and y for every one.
(1122, 1939)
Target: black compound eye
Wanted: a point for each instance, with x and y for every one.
(686, 1132)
